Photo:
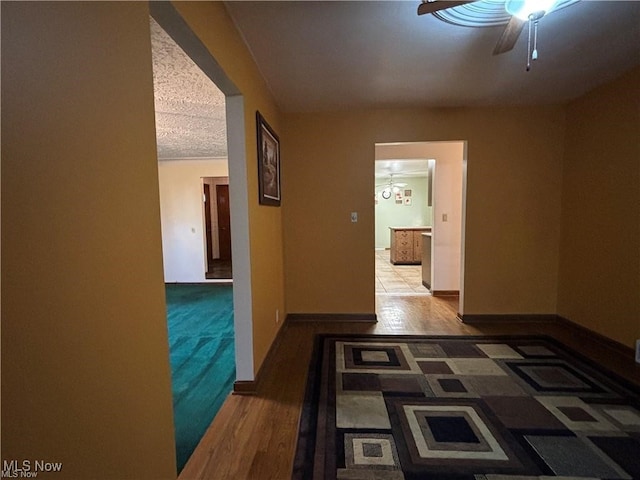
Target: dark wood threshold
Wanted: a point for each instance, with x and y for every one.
(244, 387)
(445, 293)
(332, 317)
(441, 293)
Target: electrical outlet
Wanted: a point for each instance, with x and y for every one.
(354, 217)
(638, 351)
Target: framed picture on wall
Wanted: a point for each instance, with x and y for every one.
(268, 163)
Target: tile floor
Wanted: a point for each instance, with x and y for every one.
(397, 279)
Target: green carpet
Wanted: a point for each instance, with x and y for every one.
(201, 348)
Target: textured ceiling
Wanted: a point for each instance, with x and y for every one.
(332, 55)
(190, 110)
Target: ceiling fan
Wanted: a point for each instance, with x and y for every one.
(391, 186)
(521, 11)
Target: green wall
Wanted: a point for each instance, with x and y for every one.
(390, 214)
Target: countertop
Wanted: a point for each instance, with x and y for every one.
(410, 228)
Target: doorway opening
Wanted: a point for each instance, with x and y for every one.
(403, 219)
(419, 219)
(228, 348)
(217, 228)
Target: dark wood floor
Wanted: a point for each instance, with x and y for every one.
(254, 437)
(219, 269)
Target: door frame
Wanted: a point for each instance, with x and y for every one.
(432, 149)
(170, 20)
(208, 227)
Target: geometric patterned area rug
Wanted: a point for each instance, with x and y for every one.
(463, 408)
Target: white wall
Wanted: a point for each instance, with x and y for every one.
(391, 214)
(447, 201)
(182, 210)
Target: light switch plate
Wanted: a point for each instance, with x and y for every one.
(354, 217)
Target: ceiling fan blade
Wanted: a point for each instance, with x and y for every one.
(509, 36)
(430, 6)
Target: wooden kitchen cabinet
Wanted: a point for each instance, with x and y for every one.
(406, 245)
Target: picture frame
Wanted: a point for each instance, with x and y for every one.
(268, 163)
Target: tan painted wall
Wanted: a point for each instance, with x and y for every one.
(599, 284)
(212, 24)
(85, 367)
(513, 204)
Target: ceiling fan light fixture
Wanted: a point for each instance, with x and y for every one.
(525, 9)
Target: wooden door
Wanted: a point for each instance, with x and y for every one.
(224, 221)
(207, 223)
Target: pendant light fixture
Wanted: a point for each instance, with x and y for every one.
(531, 11)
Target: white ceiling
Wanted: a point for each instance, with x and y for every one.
(190, 110)
(330, 55)
(414, 167)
